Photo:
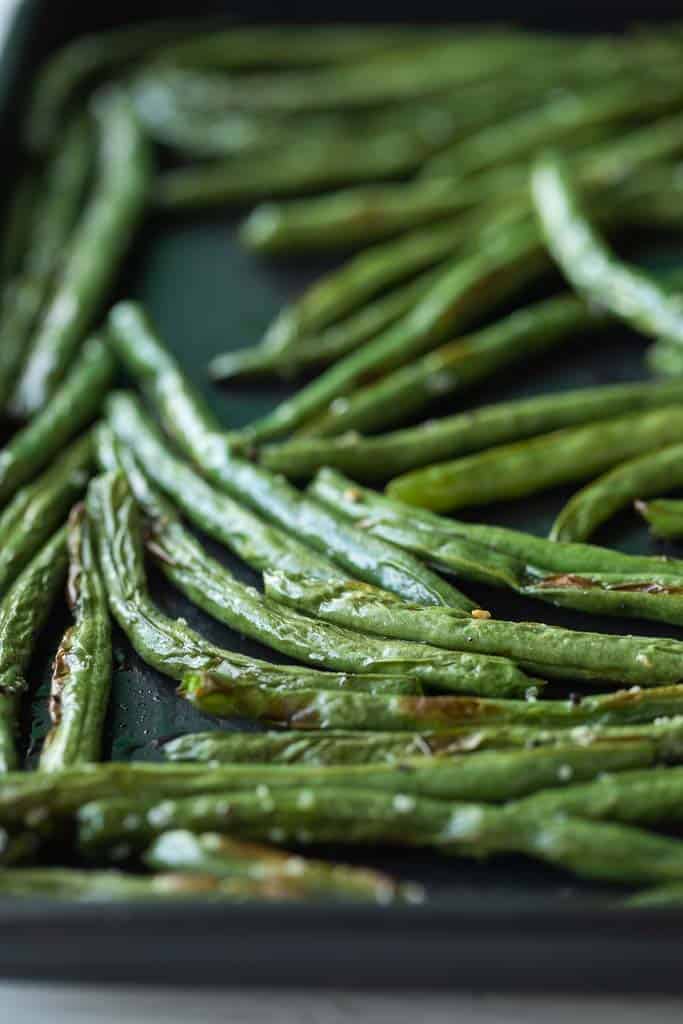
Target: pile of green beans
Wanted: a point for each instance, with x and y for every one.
(406, 713)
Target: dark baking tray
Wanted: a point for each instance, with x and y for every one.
(504, 924)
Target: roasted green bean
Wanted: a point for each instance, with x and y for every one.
(588, 263)
(526, 467)
(222, 746)
(53, 219)
(332, 343)
(547, 650)
(386, 455)
(75, 402)
(650, 474)
(463, 290)
(39, 508)
(95, 250)
(23, 611)
(81, 674)
(213, 588)
(582, 576)
(191, 424)
(277, 871)
(665, 517)
(169, 645)
(456, 366)
(592, 849)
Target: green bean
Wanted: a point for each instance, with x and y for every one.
(366, 213)
(386, 455)
(213, 588)
(23, 611)
(338, 747)
(191, 424)
(562, 120)
(311, 165)
(457, 365)
(81, 675)
(294, 46)
(631, 797)
(169, 645)
(16, 224)
(668, 895)
(665, 358)
(218, 856)
(32, 797)
(435, 66)
(39, 508)
(95, 251)
(463, 290)
(167, 115)
(588, 263)
(110, 886)
(665, 517)
(370, 213)
(343, 291)
(493, 776)
(75, 402)
(67, 72)
(329, 344)
(252, 539)
(582, 576)
(548, 650)
(51, 224)
(526, 467)
(637, 478)
(591, 849)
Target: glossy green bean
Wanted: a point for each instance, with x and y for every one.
(222, 746)
(319, 350)
(665, 358)
(387, 455)
(191, 424)
(56, 209)
(252, 539)
(288, 45)
(95, 251)
(75, 402)
(665, 517)
(218, 856)
(95, 886)
(435, 66)
(81, 676)
(313, 164)
(463, 290)
(367, 213)
(23, 611)
(69, 70)
(651, 474)
(592, 849)
(560, 121)
(27, 797)
(548, 650)
(457, 365)
(526, 467)
(213, 588)
(582, 576)
(17, 220)
(589, 264)
(493, 776)
(38, 509)
(174, 649)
